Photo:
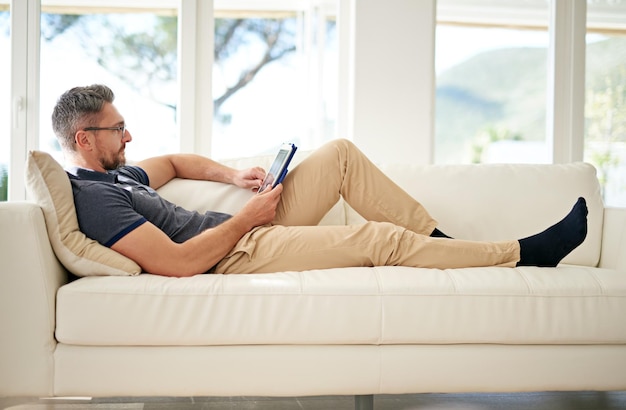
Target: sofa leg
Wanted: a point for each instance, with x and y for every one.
(364, 402)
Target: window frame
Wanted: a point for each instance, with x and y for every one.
(24, 135)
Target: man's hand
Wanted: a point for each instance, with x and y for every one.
(250, 178)
(156, 253)
(261, 208)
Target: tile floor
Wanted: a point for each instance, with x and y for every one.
(482, 401)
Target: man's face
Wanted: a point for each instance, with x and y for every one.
(111, 144)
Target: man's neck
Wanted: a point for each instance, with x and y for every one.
(80, 162)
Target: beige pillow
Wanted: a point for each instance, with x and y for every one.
(51, 189)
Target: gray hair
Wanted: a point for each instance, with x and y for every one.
(78, 108)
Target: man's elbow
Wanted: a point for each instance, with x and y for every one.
(173, 268)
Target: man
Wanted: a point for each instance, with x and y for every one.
(277, 229)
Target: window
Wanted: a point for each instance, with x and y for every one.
(5, 99)
(132, 46)
(274, 78)
(491, 86)
(491, 66)
(132, 51)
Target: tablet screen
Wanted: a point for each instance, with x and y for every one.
(278, 167)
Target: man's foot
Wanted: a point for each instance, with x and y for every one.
(549, 247)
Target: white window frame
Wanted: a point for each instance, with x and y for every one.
(24, 91)
(565, 117)
(195, 67)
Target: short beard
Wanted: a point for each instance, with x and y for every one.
(111, 164)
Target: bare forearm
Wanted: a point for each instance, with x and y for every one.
(197, 167)
(192, 166)
(157, 254)
(162, 169)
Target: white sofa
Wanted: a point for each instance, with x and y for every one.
(355, 331)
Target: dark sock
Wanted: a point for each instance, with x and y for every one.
(438, 234)
(547, 248)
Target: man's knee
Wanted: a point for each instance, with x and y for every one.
(346, 144)
(342, 145)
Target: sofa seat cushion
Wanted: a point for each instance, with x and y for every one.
(382, 305)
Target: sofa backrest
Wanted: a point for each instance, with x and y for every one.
(477, 202)
(204, 196)
(504, 201)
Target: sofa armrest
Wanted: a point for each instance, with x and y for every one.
(29, 280)
(614, 239)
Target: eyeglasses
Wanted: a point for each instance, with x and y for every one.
(121, 128)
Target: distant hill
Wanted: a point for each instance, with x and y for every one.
(507, 88)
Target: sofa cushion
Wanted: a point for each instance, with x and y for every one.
(382, 305)
(51, 189)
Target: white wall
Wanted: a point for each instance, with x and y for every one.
(392, 77)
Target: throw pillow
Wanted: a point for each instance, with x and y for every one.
(51, 189)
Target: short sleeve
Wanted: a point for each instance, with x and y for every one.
(134, 173)
(105, 212)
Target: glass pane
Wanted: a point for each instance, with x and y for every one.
(491, 95)
(328, 89)
(605, 113)
(134, 53)
(5, 102)
(491, 84)
(274, 80)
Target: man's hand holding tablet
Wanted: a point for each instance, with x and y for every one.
(279, 168)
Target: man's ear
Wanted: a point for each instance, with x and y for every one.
(83, 140)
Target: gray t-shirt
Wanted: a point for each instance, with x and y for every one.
(112, 204)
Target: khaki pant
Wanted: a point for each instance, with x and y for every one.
(397, 232)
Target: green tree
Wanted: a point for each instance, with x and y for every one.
(149, 57)
(4, 183)
(278, 38)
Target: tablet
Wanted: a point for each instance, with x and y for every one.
(279, 168)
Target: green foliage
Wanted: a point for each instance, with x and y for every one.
(4, 183)
(277, 38)
(140, 58)
(148, 57)
(488, 135)
(53, 25)
(606, 107)
(605, 113)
